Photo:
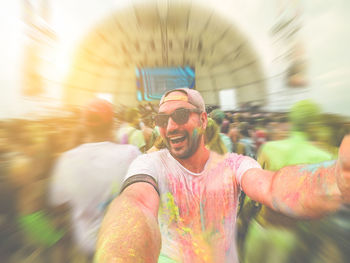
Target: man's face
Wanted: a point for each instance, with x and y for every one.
(182, 140)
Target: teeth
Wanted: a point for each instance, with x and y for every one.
(177, 137)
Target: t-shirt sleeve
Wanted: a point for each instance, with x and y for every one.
(243, 164)
(143, 164)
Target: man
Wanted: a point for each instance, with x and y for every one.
(88, 176)
(273, 155)
(276, 154)
(298, 241)
(179, 204)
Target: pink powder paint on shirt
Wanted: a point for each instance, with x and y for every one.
(197, 211)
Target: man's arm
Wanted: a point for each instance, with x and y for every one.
(129, 231)
(303, 190)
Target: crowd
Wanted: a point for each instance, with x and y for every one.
(38, 217)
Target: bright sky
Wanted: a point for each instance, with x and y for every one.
(325, 32)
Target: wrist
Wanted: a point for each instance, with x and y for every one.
(343, 180)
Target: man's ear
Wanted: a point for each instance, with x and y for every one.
(204, 120)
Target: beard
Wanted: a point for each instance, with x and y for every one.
(188, 147)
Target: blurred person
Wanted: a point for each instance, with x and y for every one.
(328, 135)
(275, 242)
(149, 130)
(246, 144)
(234, 136)
(26, 175)
(260, 135)
(149, 135)
(130, 132)
(43, 230)
(248, 208)
(218, 116)
(225, 126)
(87, 177)
(322, 137)
(10, 242)
(296, 148)
(179, 204)
(236, 118)
(158, 145)
(213, 140)
(278, 128)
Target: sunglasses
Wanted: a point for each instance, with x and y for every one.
(179, 116)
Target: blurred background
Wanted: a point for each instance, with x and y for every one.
(252, 60)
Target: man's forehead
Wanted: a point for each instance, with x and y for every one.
(171, 105)
(175, 100)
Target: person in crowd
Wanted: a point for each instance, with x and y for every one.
(130, 132)
(27, 177)
(225, 126)
(234, 136)
(88, 176)
(260, 134)
(149, 130)
(213, 140)
(9, 238)
(219, 116)
(278, 128)
(246, 144)
(179, 204)
(296, 148)
(272, 237)
(323, 137)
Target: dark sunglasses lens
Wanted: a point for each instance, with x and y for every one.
(161, 120)
(181, 116)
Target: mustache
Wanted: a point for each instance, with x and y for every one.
(176, 132)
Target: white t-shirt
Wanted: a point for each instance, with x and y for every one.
(87, 177)
(197, 214)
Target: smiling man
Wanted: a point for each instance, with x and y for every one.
(179, 204)
(182, 121)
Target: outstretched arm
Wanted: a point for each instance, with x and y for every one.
(303, 190)
(129, 231)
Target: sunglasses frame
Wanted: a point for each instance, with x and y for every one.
(174, 114)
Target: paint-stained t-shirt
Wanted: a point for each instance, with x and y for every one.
(197, 213)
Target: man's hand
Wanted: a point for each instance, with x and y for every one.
(343, 169)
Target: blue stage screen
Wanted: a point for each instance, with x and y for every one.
(153, 82)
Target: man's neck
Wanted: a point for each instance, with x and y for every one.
(197, 161)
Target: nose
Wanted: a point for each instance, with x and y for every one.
(172, 125)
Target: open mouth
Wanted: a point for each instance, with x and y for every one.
(177, 139)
